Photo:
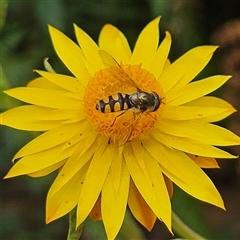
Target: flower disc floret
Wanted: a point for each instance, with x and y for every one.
(122, 126)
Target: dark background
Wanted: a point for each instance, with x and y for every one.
(25, 42)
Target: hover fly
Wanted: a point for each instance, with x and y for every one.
(140, 101)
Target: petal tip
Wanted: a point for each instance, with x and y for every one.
(156, 20)
(48, 219)
(168, 35)
(6, 176)
(77, 28)
(51, 28)
(108, 25)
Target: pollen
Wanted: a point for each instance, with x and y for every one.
(105, 87)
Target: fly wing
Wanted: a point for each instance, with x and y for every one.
(107, 59)
(116, 68)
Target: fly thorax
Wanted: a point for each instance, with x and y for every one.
(143, 101)
(135, 100)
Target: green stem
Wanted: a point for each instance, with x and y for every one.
(73, 232)
(183, 230)
(130, 229)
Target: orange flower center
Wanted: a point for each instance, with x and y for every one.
(123, 102)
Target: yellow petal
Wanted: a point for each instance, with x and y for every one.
(36, 118)
(89, 49)
(116, 169)
(213, 102)
(70, 54)
(184, 172)
(26, 118)
(160, 189)
(190, 146)
(141, 180)
(151, 186)
(94, 180)
(76, 161)
(184, 69)
(204, 162)
(140, 209)
(190, 112)
(138, 153)
(192, 91)
(113, 41)
(114, 203)
(50, 139)
(199, 131)
(45, 97)
(39, 161)
(159, 60)
(65, 82)
(146, 44)
(47, 170)
(72, 115)
(41, 82)
(64, 200)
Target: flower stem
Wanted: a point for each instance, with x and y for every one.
(130, 229)
(183, 230)
(73, 232)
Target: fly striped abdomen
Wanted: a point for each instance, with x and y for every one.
(114, 103)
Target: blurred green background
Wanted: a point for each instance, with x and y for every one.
(25, 42)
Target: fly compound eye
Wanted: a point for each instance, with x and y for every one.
(157, 101)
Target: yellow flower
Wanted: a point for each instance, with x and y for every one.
(110, 158)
